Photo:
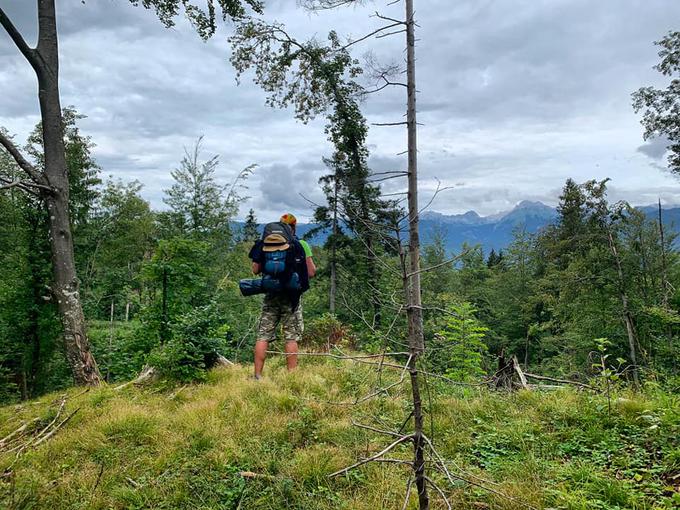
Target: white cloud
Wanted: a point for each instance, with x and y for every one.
(514, 97)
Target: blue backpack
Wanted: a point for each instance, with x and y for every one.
(278, 263)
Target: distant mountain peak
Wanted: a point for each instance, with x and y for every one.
(529, 204)
(528, 212)
(522, 209)
(467, 218)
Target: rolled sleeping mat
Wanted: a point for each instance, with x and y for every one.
(251, 287)
(267, 284)
(272, 285)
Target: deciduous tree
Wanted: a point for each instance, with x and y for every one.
(661, 107)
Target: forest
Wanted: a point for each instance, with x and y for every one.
(541, 375)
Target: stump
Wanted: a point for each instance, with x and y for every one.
(509, 376)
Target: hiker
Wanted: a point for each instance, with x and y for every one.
(280, 248)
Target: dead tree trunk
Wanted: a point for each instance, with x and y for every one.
(625, 310)
(665, 285)
(414, 306)
(53, 186)
(334, 252)
(509, 375)
(164, 332)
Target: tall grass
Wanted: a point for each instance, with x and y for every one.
(187, 447)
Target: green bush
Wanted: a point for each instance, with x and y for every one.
(120, 349)
(197, 339)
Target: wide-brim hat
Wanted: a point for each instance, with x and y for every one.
(275, 242)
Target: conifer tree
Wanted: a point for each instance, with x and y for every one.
(250, 231)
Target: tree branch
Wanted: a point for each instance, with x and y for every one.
(409, 484)
(446, 262)
(367, 36)
(23, 163)
(563, 381)
(395, 32)
(29, 53)
(23, 185)
(373, 457)
(439, 490)
(387, 18)
(379, 431)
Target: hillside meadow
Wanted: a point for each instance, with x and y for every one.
(236, 443)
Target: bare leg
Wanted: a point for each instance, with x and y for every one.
(260, 354)
(291, 355)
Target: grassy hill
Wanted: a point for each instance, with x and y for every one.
(237, 443)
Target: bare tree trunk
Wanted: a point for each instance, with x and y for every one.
(54, 187)
(414, 306)
(108, 367)
(334, 252)
(665, 285)
(664, 273)
(526, 349)
(371, 259)
(627, 316)
(164, 307)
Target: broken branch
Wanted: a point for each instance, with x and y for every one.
(373, 457)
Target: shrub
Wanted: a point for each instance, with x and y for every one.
(326, 332)
(122, 349)
(197, 339)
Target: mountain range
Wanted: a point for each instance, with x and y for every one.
(496, 231)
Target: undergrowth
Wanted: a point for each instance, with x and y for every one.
(236, 443)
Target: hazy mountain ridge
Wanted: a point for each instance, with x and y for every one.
(496, 231)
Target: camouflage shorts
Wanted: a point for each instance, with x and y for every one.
(278, 310)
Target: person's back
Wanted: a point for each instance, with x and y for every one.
(280, 250)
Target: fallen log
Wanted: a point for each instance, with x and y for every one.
(17, 433)
(562, 381)
(147, 374)
(223, 362)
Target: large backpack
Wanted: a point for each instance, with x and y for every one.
(282, 264)
(279, 261)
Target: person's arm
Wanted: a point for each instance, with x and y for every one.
(255, 254)
(309, 262)
(311, 268)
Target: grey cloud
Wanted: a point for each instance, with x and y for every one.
(496, 199)
(289, 188)
(514, 98)
(655, 148)
(647, 195)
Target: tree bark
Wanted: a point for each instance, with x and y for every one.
(414, 306)
(54, 187)
(334, 250)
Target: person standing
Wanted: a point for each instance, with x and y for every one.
(282, 306)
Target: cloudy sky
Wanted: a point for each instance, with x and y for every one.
(514, 97)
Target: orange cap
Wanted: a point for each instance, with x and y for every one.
(289, 219)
